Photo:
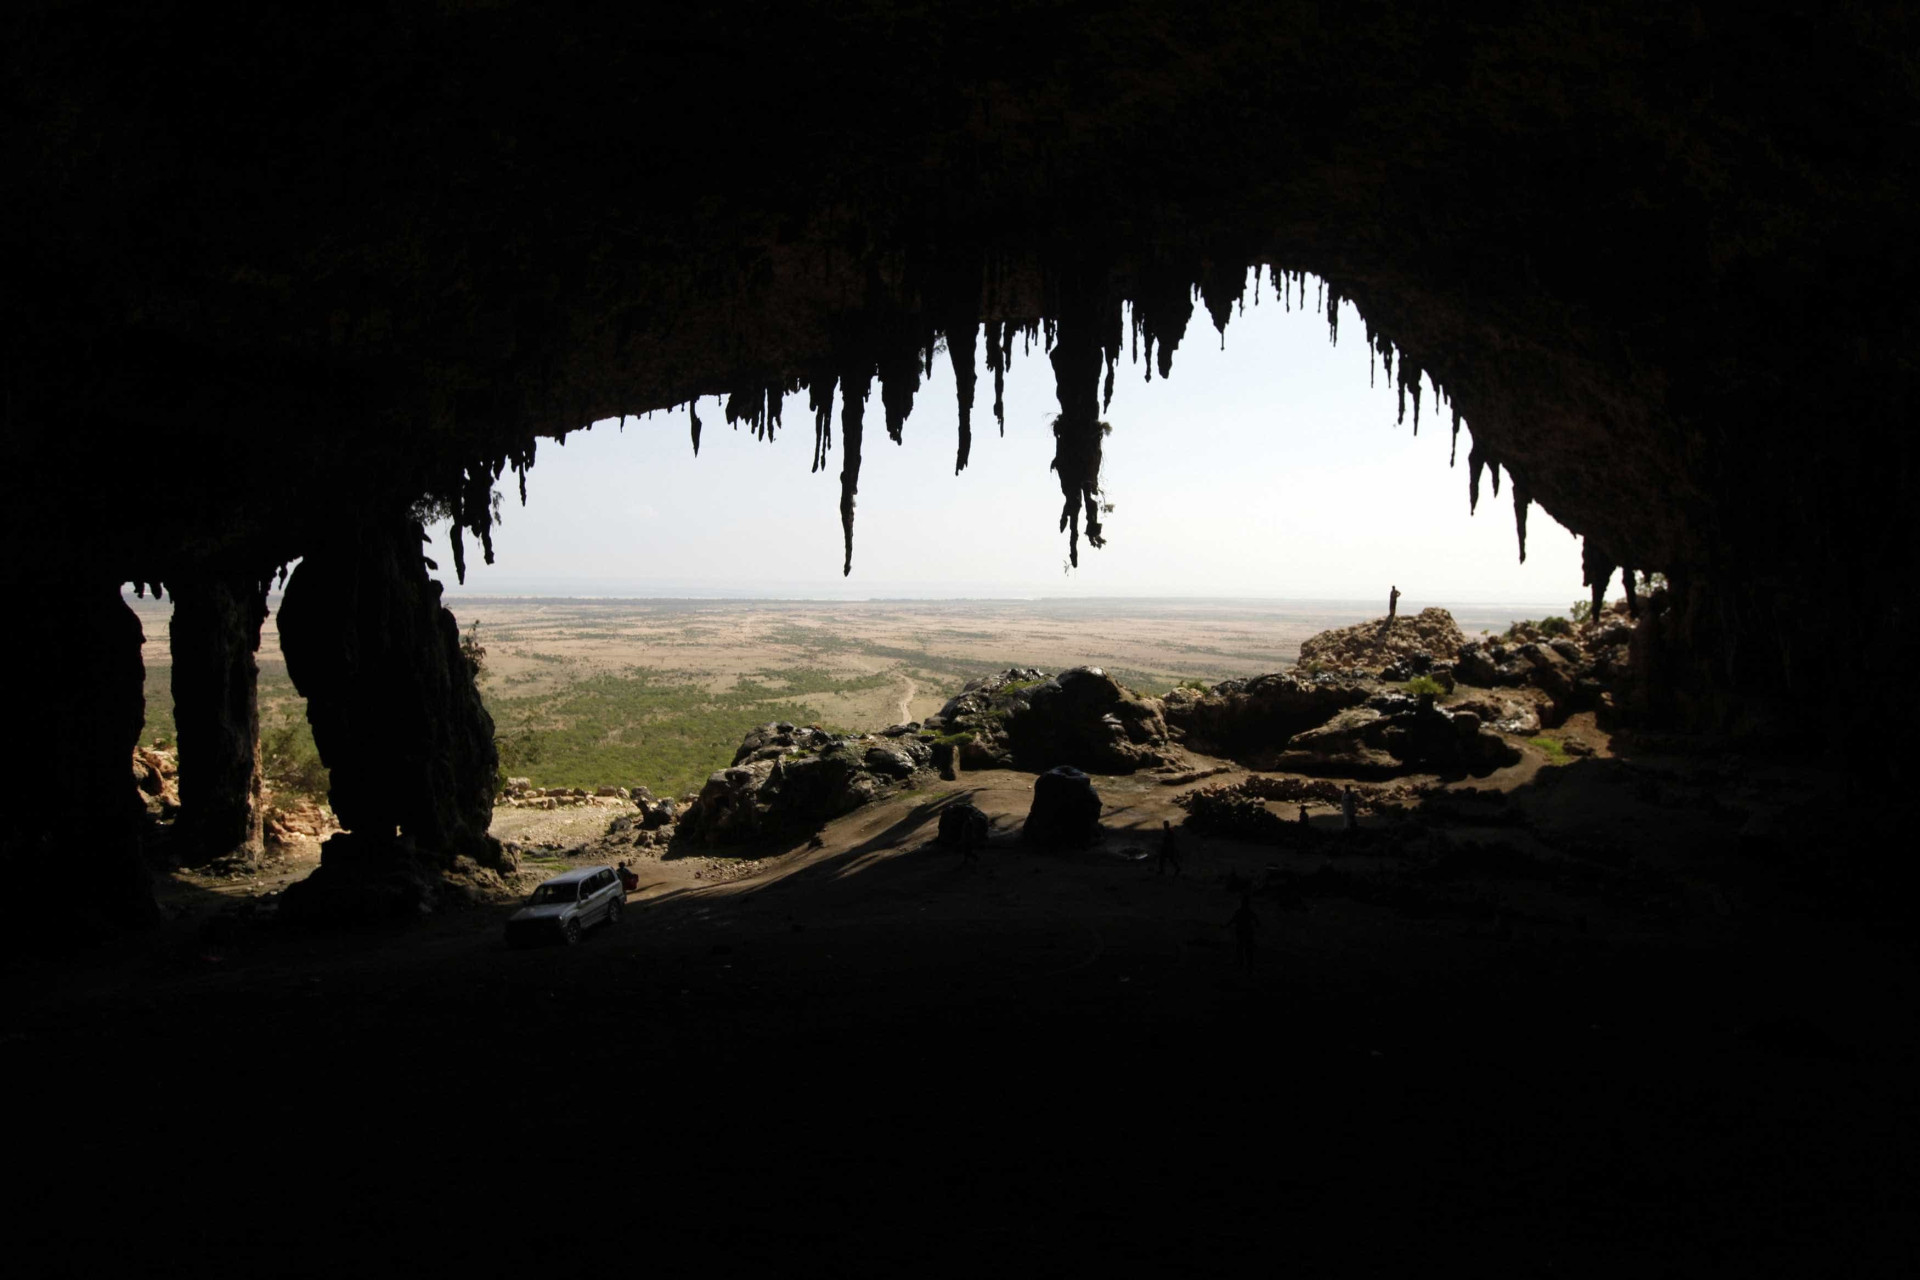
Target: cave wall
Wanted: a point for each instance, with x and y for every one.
(76, 707)
(1654, 262)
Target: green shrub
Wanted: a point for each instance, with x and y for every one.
(1426, 685)
(1554, 625)
(290, 762)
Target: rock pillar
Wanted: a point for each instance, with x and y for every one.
(76, 709)
(395, 712)
(214, 635)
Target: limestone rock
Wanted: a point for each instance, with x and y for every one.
(1426, 637)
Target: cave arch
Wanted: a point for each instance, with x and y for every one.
(1657, 258)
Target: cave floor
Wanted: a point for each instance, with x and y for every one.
(1506, 1048)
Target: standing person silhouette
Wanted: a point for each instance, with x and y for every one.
(1393, 603)
(1246, 933)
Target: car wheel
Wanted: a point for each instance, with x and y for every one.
(570, 931)
(613, 912)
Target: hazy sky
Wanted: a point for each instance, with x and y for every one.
(1266, 469)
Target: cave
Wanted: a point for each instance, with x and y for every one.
(279, 282)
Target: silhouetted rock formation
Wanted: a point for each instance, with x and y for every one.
(393, 706)
(214, 633)
(1065, 813)
(79, 709)
(1026, 719)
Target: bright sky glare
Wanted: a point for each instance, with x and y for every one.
(1268, 469)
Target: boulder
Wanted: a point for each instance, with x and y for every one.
(1066, 810)
(964, 826)
(1024, 719)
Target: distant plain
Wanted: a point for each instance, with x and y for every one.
(658, 692)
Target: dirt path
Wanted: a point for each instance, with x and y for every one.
(906, 699)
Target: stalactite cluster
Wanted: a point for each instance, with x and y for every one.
(1088, 314)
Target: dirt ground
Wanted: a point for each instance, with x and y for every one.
(1580, 1034)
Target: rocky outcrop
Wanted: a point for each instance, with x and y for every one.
(786, 779)
(1025, 719)
(1248, 720)
(1411, 644)
(1393, 734)
(1573, 666)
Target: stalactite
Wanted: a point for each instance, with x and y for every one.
(855, 383)
(1633, 599)
(820, 400)
(1332, 293)
(1220, 289)
(999, 351)
(1085, 307)
(1112, 337)
(1596, 570)
(1521, 501)
(1493, 465)
(1163, 309)
(1454, 452)
(693, 413)
(1474, 462)
(899, 366)
(961, 340)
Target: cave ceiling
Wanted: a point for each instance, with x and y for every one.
(267, 270)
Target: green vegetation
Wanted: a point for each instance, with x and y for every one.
(289, 761)
(1556, 750)
(1582, 611)
(1426, 685)
(647, 727)
(959, 739)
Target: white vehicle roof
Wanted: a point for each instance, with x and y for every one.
(578, 873)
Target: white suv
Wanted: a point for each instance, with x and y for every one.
(562, 908)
